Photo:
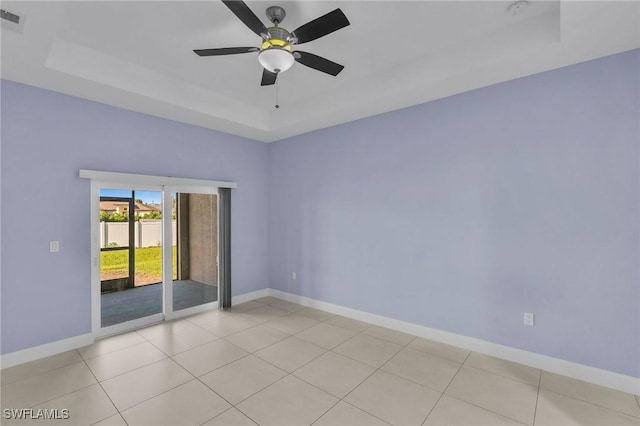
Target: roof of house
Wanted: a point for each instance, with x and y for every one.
(139, 207)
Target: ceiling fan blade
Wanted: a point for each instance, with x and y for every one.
(321, 26)
(242, 11)
(318, 63)
(268, 78)
(225, 51)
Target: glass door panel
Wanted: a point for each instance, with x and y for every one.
(195, 279)
(130, 255)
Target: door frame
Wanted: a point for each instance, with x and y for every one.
(166, 185)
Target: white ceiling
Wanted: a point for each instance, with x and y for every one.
(138, 55)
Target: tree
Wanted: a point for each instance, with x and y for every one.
(151, 215)
(124, 217)
(114, 217)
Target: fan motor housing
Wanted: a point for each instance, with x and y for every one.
(278, 37)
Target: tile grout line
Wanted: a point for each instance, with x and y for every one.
(264, 360)
(365, 411)
(115, 350)
(235, 406)
(447, 387)
(393, 356)
(353, 359)
(487, 409)
(502, 375)
(325, 352)
(193, 377)
(245, 356)
(287, 372)
(106, 394)
(592, 403)
(235, 332)
(259, 358)
(64, 394)
(220, 396)
(186, 350)
(440, 356)
(170, 357)
(471, 403)
(137, 368)
(376, 369)
(418, 383)
(44, 372)
(219, 367)
(535, 411)
(224, 338)
(228, 409)
(280, 340)
(155, 396)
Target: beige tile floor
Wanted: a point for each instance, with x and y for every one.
(271, 362)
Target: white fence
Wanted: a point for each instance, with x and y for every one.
(148, 233)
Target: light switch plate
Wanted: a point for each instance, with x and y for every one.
(528, 319)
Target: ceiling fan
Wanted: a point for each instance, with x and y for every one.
(276, 53)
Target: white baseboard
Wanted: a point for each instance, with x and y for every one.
(582, 372)
(246, 297)
(48, 349)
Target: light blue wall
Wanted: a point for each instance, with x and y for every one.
(464, 213)
(459, 214)
(46, 139)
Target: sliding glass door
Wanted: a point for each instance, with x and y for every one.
(158, 254)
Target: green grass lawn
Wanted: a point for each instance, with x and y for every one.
(148, 262)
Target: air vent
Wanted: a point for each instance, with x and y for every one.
(12, 17)
(11, 21)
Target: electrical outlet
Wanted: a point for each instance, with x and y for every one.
(294, 276)
(528, 319)
(54, 246)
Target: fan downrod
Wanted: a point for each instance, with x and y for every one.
(275, 14)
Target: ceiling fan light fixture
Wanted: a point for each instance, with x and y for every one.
(276, 59)
(276, 53)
